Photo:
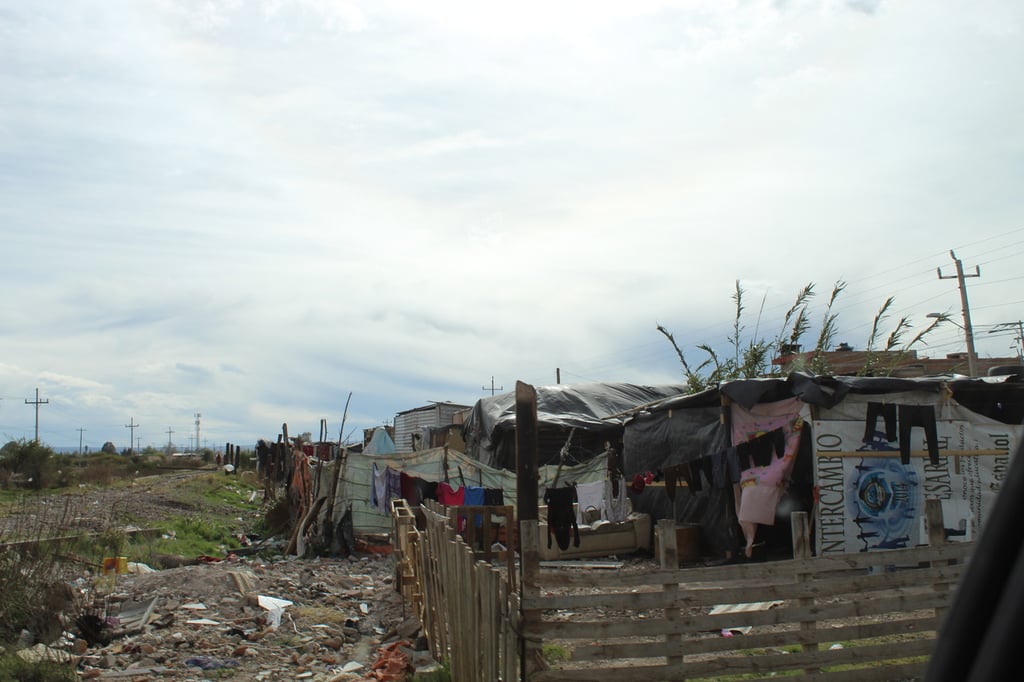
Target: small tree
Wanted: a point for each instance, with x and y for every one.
(109, 448)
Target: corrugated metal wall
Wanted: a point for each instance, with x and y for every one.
(419, 421)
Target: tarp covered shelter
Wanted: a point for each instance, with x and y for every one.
(595, 410)
(847, 472)
(437, 464)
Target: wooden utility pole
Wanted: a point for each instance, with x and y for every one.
(80, 432)
(972, 356)
(492, 389)
(131, 425)
(37, 402)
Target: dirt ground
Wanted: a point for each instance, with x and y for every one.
(220, 619)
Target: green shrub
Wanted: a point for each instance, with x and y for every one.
(14, 669)
(27, 463)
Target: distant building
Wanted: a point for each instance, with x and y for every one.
(845, 361)
(428, 426)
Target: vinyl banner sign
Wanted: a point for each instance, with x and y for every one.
(879, 457)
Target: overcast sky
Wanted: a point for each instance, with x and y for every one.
(251, 208)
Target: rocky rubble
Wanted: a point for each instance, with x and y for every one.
(310, 619)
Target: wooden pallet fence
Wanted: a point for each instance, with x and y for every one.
(468, 610)
(867, 616)
(403, 538)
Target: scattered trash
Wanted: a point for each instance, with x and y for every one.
(275, 609)
(207, 663)
(836, 646)
(41, 652)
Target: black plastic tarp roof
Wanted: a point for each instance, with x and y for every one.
(594, 406)
(650, 441)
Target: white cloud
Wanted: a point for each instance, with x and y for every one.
(251, 208)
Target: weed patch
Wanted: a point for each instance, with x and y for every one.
(15, 669)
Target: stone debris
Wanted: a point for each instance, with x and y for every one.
(321, 619)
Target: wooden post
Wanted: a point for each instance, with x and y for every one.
(937, 538)
(668, 555)
(527, 479)
(527, 475)
(801, 527)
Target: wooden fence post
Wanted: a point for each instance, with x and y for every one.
(668, 555)
(937, 538)
(800, 524)
(529, 530)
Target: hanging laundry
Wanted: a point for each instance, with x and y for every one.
(924, 417)
(617, 500)
(590, 496)
(474, 497)
(561, 517)
(449, 496)
(725, 467)
(427, 489)
(770, 434)
(494, 497)
(379, 489)
(887, 413)
(393, 487)
(410, 491)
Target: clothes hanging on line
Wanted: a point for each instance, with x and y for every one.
(617, 500)
(725, 467)
(590, 496)
(494, 497)
(887, 412)
(449, 496)
(561, 517)
(923, 416)
(379, 489)
(474, 497)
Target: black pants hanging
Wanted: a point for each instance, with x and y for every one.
(923, 416)
(561, 517)
(887, 413)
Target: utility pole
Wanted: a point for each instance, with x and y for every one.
(972, 356)
(492, 389)
(131, 441)
(80, 432)
(170, 444)
(1017, 326)
(197, 429)
(37, 402)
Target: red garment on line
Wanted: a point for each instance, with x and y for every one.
(449, 496)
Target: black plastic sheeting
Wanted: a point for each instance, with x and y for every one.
(980, 636)
(714, 509)
(656, 440)
(590, 406)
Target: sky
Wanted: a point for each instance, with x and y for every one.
(253, 209)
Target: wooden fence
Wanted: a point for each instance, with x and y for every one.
(869, 616)
(467, 606)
